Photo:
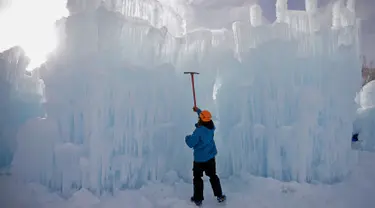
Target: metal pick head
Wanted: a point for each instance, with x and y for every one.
(191, 73)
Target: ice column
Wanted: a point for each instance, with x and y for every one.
(349, 18)
(336, 15)
(256, 15)
(311, 9)
(351, 5)
(311, 6)
(154, 16)
(281, 8)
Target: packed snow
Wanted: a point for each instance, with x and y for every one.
(242, 191)
(364, 122)
(111, 107)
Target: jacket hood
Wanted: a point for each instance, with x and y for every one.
(209, 125)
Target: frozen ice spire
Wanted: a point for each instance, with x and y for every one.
(351, 5)
(350, 15)
(336, 14)
(281, 8)
(256, 15)
(311, 6)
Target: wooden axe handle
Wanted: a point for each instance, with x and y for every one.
(192, 85)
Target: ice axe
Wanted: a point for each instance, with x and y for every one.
(192, 85)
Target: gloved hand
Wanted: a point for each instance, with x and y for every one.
(195, 109)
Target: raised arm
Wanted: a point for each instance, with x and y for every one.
(197, 110)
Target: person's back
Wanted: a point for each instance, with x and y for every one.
(203, 144)
(202, 141)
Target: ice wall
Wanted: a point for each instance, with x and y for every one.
(21, 97)
(294, 122)
(153, 11)
(119, 105)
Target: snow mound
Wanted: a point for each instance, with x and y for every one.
(367, 95)
(365, 118)
(83, 199)
(364, 126)
(170, 177)
(128, 198)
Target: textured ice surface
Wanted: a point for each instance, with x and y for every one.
(20, 100)
(119, 105)
(364, 124)
(367, 95)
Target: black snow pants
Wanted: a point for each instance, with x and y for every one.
(209, 168)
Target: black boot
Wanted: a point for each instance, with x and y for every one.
(196, 202)
(221, 198)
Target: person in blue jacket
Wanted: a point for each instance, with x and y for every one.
(203, 144)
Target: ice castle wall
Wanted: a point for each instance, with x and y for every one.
(119, 105)
(16, 106)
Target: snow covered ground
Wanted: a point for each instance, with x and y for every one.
(243, 191)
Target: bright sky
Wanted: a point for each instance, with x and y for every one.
(30, 24)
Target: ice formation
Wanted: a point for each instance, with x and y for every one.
(367, 96)
(21, 96)
(364, 122)
(118, 105)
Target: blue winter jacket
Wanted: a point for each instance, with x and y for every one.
(202, 142)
